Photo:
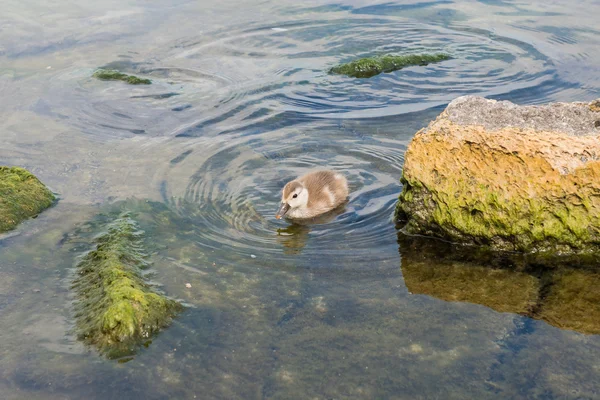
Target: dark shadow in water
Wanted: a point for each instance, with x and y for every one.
(295, 236)
(562, 291)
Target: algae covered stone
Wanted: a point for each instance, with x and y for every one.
(518, 178)
(116, 310)
(22, 196)
(371, 66)
(113, 75)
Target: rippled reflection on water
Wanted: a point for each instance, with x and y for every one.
(257, 78)
(232, 195)
(241, 103)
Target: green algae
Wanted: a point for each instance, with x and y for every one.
(113, 75)
(117, 310)
(476, 214)
(371, 66)
(22, 196)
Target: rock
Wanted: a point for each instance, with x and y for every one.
(116, 310)
(560, 292)
(572, 300)
(22, 196)
(113, 75)
(371, 66)
(518, 178)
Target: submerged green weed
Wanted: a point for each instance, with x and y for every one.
(116, 309)
(113, 75)
(371, 66)
(22, 196)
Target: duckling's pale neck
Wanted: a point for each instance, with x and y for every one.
(298, 212)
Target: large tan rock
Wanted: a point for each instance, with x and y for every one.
(524, 178)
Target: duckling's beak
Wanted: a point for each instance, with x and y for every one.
(283, 208)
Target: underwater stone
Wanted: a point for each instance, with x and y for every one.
(113, 75)
(371, 66)
(518, 178)
(117, 310)
(22, 196)
(560, 290)
(572, 300)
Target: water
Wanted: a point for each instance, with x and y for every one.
(241, 103)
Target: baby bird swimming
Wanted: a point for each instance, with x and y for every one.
(313, 194)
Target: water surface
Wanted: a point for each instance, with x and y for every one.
(241, 102)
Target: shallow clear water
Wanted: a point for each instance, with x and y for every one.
(241, 103)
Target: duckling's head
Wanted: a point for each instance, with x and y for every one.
(294, 196)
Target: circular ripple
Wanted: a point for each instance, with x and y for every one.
(239, 96)
(233, 195)
(289, 64)
(254, 79)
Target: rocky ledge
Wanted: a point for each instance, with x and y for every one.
(518, 178)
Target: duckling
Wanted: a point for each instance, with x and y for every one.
(313, 194)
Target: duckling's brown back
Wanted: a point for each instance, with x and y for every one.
(326, 188)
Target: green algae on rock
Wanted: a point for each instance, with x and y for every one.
(117, 310)
(113, 75)
(517, 178)
(371, 66)
(22, 196)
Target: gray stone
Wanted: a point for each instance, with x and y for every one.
(573, 119)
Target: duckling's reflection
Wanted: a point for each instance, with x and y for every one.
(295, 236)
(560, 291)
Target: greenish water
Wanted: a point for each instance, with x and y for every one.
(241, 102)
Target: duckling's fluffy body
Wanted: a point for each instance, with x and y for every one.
(313, 194)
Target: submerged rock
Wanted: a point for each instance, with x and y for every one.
(519, 178)
(114, 75)
(22, 196)
(572, 300)
(117, 310)
(559, 291)
(371, 66)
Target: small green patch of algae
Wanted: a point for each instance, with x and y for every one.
(116, 309)
(371, 66)
(113, 75)
(22, 196)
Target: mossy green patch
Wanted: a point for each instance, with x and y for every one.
(116, 309)
(113, 75)
(22, 196)
(484, 216)
(371, 66)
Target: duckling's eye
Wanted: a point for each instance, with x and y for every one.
(295, 195)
